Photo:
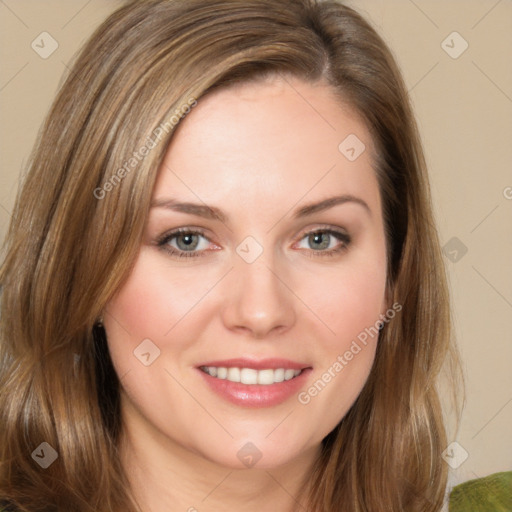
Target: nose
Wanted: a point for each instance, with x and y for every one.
(258, 302)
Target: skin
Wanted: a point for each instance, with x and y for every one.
(258, 152)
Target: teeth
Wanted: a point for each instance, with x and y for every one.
(289, 374)
(265, 377)
(250, 376)
(234, 374)
(279, 375)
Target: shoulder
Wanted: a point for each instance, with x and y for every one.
(489, 494)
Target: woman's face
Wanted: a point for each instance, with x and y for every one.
(278, 269)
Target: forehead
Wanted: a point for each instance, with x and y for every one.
(266, 142)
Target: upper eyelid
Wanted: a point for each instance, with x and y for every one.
(203, 232)
(336, 231)
(181, 231)
(323, 227)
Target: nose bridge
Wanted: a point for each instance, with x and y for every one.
(259, 280)
(258, 299)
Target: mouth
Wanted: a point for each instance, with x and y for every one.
(250, 383)
(251, 376)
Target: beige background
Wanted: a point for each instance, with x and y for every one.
(464, 108)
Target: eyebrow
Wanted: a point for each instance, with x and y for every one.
(201, 210)
(211, 212)
(330, 202)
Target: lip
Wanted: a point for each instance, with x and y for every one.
(256, 395)
(262, 364)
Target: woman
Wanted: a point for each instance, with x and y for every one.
(223, 287)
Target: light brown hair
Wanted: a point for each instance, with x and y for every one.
(68, 250)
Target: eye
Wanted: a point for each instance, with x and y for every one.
(184, 243)
(324, 242)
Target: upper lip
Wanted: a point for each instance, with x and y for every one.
(260, 364)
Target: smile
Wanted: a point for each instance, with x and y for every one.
(250, 376)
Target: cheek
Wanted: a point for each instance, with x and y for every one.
(155, 304)
(360, 302)
(350, 305)
(348, 299)
(154, 299)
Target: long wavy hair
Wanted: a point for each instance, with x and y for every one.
(71, 244)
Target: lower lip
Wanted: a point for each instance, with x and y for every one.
(256, 395)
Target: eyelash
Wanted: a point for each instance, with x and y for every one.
(163, 242)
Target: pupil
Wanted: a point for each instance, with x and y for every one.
(321, 240)
(187, 241)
